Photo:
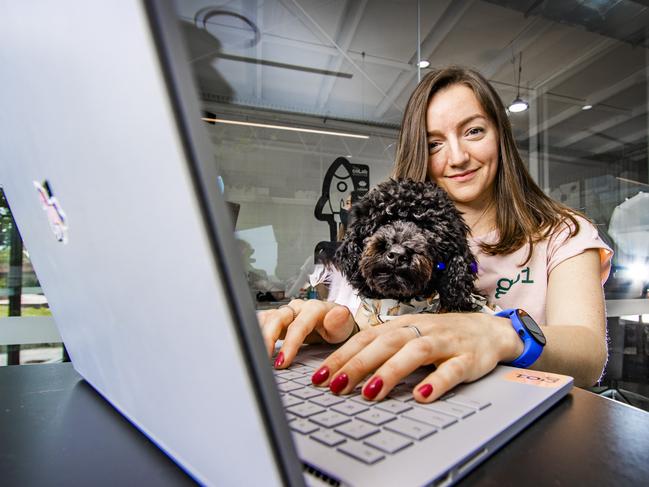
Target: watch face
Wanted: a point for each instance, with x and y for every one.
(532, 327)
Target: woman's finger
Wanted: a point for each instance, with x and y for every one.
(272, 324)
(417, 352)
(309, 315)
(336, 360)
(356, 362)
(448, 374)
(337, 325)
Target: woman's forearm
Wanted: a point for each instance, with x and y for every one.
(574, 350)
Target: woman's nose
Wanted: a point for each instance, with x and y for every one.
(458, 154)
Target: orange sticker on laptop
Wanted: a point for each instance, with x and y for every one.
(536, 378)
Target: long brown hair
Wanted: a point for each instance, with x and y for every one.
(524, 214)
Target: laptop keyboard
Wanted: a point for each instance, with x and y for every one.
(367, 431)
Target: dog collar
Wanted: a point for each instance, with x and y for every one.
(377, 311)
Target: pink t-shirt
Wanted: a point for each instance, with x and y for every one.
(509, 284)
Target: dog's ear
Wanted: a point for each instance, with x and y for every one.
(347, 257)
(349, 252)
(457, 284)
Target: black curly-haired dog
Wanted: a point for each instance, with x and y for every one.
(407, 241)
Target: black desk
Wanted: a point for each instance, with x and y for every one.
(56, 430)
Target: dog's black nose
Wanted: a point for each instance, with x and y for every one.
(396, 255)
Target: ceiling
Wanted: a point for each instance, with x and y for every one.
(355, 60)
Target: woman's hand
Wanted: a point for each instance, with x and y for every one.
(303, 322)
(463, 346)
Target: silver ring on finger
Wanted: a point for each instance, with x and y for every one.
(415, 329)
(292, 310)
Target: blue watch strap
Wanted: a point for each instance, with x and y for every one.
(533, 340)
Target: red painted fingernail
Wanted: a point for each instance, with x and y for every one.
(373, 387)
(321, 375)
(339, 383)
(425, 390)
(279, 360)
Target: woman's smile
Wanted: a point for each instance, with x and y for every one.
(463, 176)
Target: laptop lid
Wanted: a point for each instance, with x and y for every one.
(103, 164)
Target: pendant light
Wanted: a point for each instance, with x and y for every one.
(518, 105)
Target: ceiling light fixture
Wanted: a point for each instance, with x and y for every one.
(423, 64)
(205, 17)
(587, 107)
(284, 127)
(518, 105)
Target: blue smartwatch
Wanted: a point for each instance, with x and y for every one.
(531, 334)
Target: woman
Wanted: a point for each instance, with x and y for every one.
(533, 253)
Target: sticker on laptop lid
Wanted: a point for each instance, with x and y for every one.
(536, 378)
(52, 208)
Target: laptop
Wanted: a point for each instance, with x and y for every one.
(108, 171)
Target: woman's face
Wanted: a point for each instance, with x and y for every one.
(462, 146)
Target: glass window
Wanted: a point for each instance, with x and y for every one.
(349, 67)
(293, 111)
(20, 295)
(270, 73)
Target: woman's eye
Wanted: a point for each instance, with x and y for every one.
(432, 146)
(475, 131)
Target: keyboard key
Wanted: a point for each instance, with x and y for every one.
(330, 419)
(451, 409)
(429, 417)
(388, 442)
(327, 400)
(305, 409)
(393, 406)
(376, 417)
(289, 400)
(468, 402)
(303, 369)
(290, 417)
(311, 362)
(350, 408)
(321, 355)
(356, 393)
(402, 392)
(279, 380)
(357, 430)
(304, 380)
(411, 429)
(289, 374)
(364, 453)
(303, 426)
(360, 400)
(289, 386)
(307, 392)
(402, 387)
(329, 438)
